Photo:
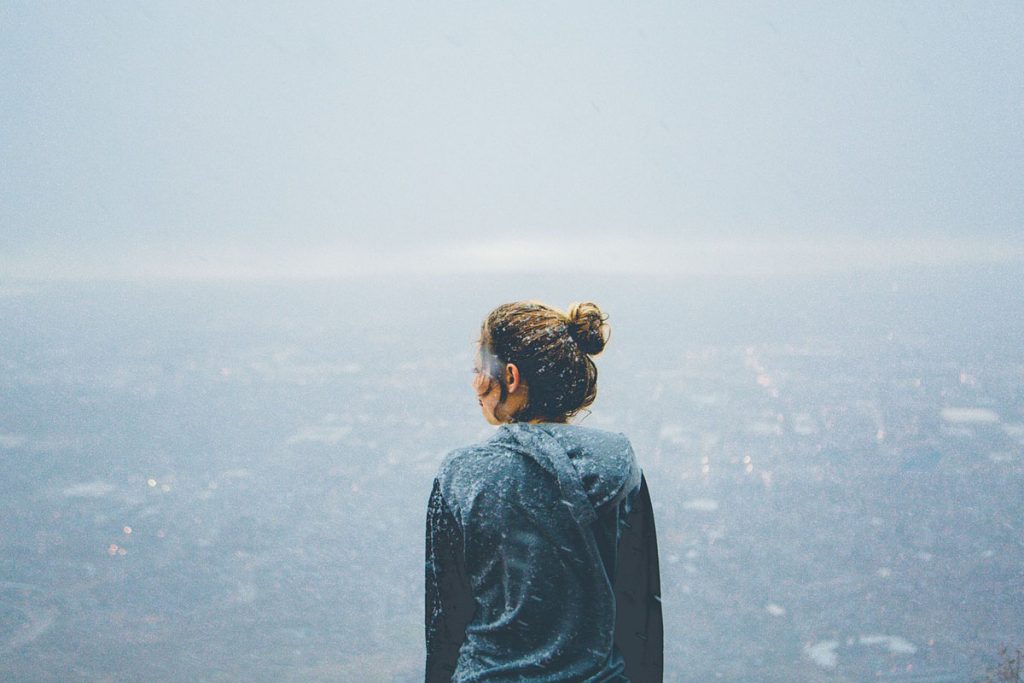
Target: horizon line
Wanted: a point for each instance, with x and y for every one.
(596, 256)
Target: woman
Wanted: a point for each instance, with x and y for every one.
(541, 553)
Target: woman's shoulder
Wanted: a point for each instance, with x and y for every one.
(474, 458)
(467, 470)
(587, 434)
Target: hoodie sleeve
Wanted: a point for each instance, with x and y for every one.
(449, 601)
(638, 624)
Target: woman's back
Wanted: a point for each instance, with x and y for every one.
(541, 554)
(542, 560)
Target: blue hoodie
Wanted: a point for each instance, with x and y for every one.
(542, 561)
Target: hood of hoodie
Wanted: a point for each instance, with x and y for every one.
(595, 468)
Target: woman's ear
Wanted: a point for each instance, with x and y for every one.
(511, 377)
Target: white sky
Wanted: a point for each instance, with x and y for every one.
(248, 139)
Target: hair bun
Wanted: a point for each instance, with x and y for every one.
(587, 325)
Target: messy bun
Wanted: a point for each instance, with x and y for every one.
(587, 325)
(552, 350)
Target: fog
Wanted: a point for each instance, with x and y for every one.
(245, 253)
(185, 140)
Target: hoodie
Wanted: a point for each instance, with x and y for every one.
(542, 561)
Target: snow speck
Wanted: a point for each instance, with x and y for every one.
(674, 434)
(11, 440)
(894, 644)
(92, 489)
(701, 504)
(1015, 431)
(823, 654)
(320, 434)
(764, 428)
(969, 415)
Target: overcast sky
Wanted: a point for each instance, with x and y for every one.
(246, 138)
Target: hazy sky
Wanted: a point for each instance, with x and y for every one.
(244, 138)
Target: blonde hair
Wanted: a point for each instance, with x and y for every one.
(552, 350)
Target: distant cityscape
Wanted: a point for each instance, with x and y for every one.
(229, 481)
